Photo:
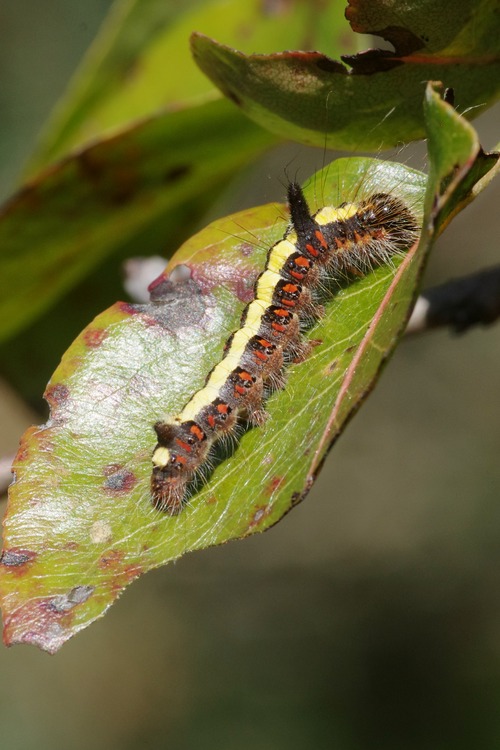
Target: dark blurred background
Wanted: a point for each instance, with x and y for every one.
(368, 618)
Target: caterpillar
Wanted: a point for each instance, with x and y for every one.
(341, 242)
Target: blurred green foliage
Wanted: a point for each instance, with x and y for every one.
(381, 633)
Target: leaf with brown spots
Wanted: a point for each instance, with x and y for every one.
(80, 525)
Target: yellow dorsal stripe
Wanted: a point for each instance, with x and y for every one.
(265, 287)
(328, 214)
(219, 374)
(280, 252)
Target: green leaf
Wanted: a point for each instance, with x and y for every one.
(141, 62)
(168, 151)
(457, 43)
(80, 525)
(458, 167)
(118, 191)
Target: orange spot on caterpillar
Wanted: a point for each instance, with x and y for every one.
(197, 432)
(312, 250)
(262, 356)
(246, 376)
(319, 236)
(183, 445)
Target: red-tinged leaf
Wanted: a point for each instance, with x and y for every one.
(80, 525)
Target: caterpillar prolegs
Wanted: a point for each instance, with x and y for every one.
(343, 241)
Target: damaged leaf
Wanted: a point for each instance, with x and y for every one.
(370, 100)
(80, 525)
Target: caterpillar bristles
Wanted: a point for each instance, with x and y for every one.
(333, 245)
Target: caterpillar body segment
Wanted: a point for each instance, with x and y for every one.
(350, 239)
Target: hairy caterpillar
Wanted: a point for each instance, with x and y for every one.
(350, 239)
